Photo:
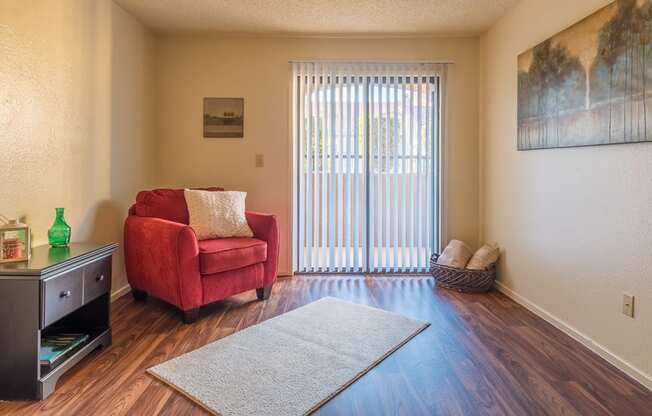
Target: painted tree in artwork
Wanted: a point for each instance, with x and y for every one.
(609, 41)
(525, 110)
(555, 83)
(619, 74)
(566, 75)
(644, 39)
(539, 76)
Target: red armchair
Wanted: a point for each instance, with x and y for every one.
(164, 259)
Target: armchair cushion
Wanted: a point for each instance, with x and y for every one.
(217, 214)
(167, 204)
(224, 254)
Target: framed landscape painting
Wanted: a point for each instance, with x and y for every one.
(223, 117)
(589, 84)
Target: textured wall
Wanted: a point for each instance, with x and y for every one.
(65, 142)
(575, 224)
(131, 152)
(190, 68)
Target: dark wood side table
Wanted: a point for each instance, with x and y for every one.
(60, 290)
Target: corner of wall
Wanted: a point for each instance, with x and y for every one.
(481, 137)
(131, 167)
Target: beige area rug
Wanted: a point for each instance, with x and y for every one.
(291, 364)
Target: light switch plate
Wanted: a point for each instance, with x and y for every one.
(260, 161)
(628, 305)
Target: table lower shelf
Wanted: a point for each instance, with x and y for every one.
(49, 381)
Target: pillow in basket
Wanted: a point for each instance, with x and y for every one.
(456, 254)
(217, 214)
(484, 257)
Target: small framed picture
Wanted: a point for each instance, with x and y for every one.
(223, 118)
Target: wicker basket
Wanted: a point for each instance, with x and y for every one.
(462, 280)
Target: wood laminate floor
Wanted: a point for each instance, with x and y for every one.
(482, 355)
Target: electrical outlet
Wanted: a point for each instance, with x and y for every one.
(260, 161)
(628, 305)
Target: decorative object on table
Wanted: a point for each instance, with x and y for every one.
(14, 241)
(59, 233)
(588, 85)
(464, 279)
(223, 117)
(333, 342)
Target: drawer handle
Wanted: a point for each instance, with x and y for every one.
(99, 278)
(65, 294)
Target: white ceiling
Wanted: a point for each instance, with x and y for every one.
(320, 17)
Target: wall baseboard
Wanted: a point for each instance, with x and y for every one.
(120, 293)
(635, 373)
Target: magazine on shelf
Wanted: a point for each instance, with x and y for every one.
(56, 347)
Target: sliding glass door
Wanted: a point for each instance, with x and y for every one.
(367, 152)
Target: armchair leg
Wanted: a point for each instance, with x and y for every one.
(139, 295)
(190, 316)
(263, 292)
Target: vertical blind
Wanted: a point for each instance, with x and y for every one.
(367, 174)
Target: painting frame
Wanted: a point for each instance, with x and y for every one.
(223, 117)
(589, 84)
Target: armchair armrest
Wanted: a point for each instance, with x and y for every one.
(162, 258)
(265, 227)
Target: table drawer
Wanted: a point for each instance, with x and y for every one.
(61, 295)
(97, 279)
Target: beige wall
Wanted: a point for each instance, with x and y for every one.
(65, 141)
(189, 68)
(575, 224)
(132, 89)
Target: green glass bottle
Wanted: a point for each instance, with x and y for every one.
(59, 233)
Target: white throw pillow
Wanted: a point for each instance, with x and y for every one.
(486, 255)
(217, 214)
(456, 254)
